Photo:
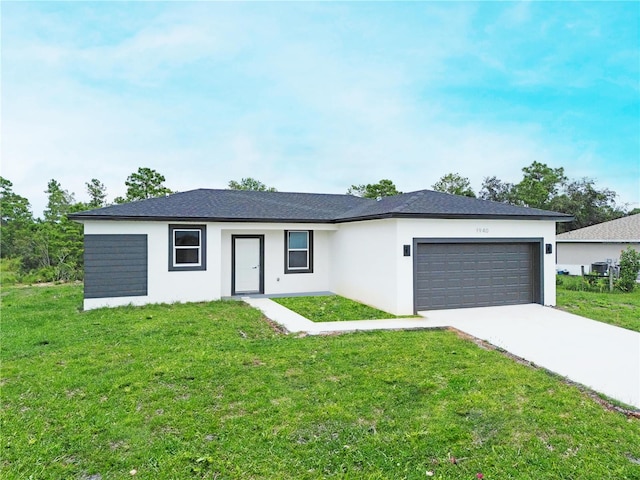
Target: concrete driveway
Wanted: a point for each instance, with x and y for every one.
(600, 356)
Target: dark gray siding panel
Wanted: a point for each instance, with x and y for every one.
(459, 275)
(115, 266)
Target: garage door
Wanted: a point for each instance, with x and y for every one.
(458, 275)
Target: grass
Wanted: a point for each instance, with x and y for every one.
(211, 390)
(331, 308)
(616, 308)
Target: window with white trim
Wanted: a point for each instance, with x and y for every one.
(298, 246)
(187, 247)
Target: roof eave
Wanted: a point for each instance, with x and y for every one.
(120, 218)
(454, 216)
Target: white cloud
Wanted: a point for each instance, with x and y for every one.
(273, 93)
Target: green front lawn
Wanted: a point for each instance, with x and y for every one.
(616, 308)
(331, 308)
(212, 390)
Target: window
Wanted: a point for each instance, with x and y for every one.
(187, 247)
(298, 246)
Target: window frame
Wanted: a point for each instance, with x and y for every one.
(173, 248)
(309, 267)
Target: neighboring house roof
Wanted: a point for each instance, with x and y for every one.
(252, 206)
(620, 230)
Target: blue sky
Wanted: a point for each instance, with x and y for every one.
(316, 97)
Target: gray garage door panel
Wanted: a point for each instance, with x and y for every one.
(458, 275)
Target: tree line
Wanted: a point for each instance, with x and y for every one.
(50, 248)
(541, 187)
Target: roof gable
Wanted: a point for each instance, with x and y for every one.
(252, 206)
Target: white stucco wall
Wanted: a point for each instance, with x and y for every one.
(408, 229)
(166, 286)
(275, 280)
(573, 255)
(360, 260)
(368, 263)
(163, 286)
(364, 263)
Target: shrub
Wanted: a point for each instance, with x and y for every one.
(583, 284)
(9, 271)
(629, 269)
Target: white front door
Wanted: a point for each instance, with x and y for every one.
(246, 267)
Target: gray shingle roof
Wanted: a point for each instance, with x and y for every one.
(427, 203)
(250, 206)
(625, 229)
(231, 205)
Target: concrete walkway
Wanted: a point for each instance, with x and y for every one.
(295, 323)
(600, 356)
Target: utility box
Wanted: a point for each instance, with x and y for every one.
(599, 268)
